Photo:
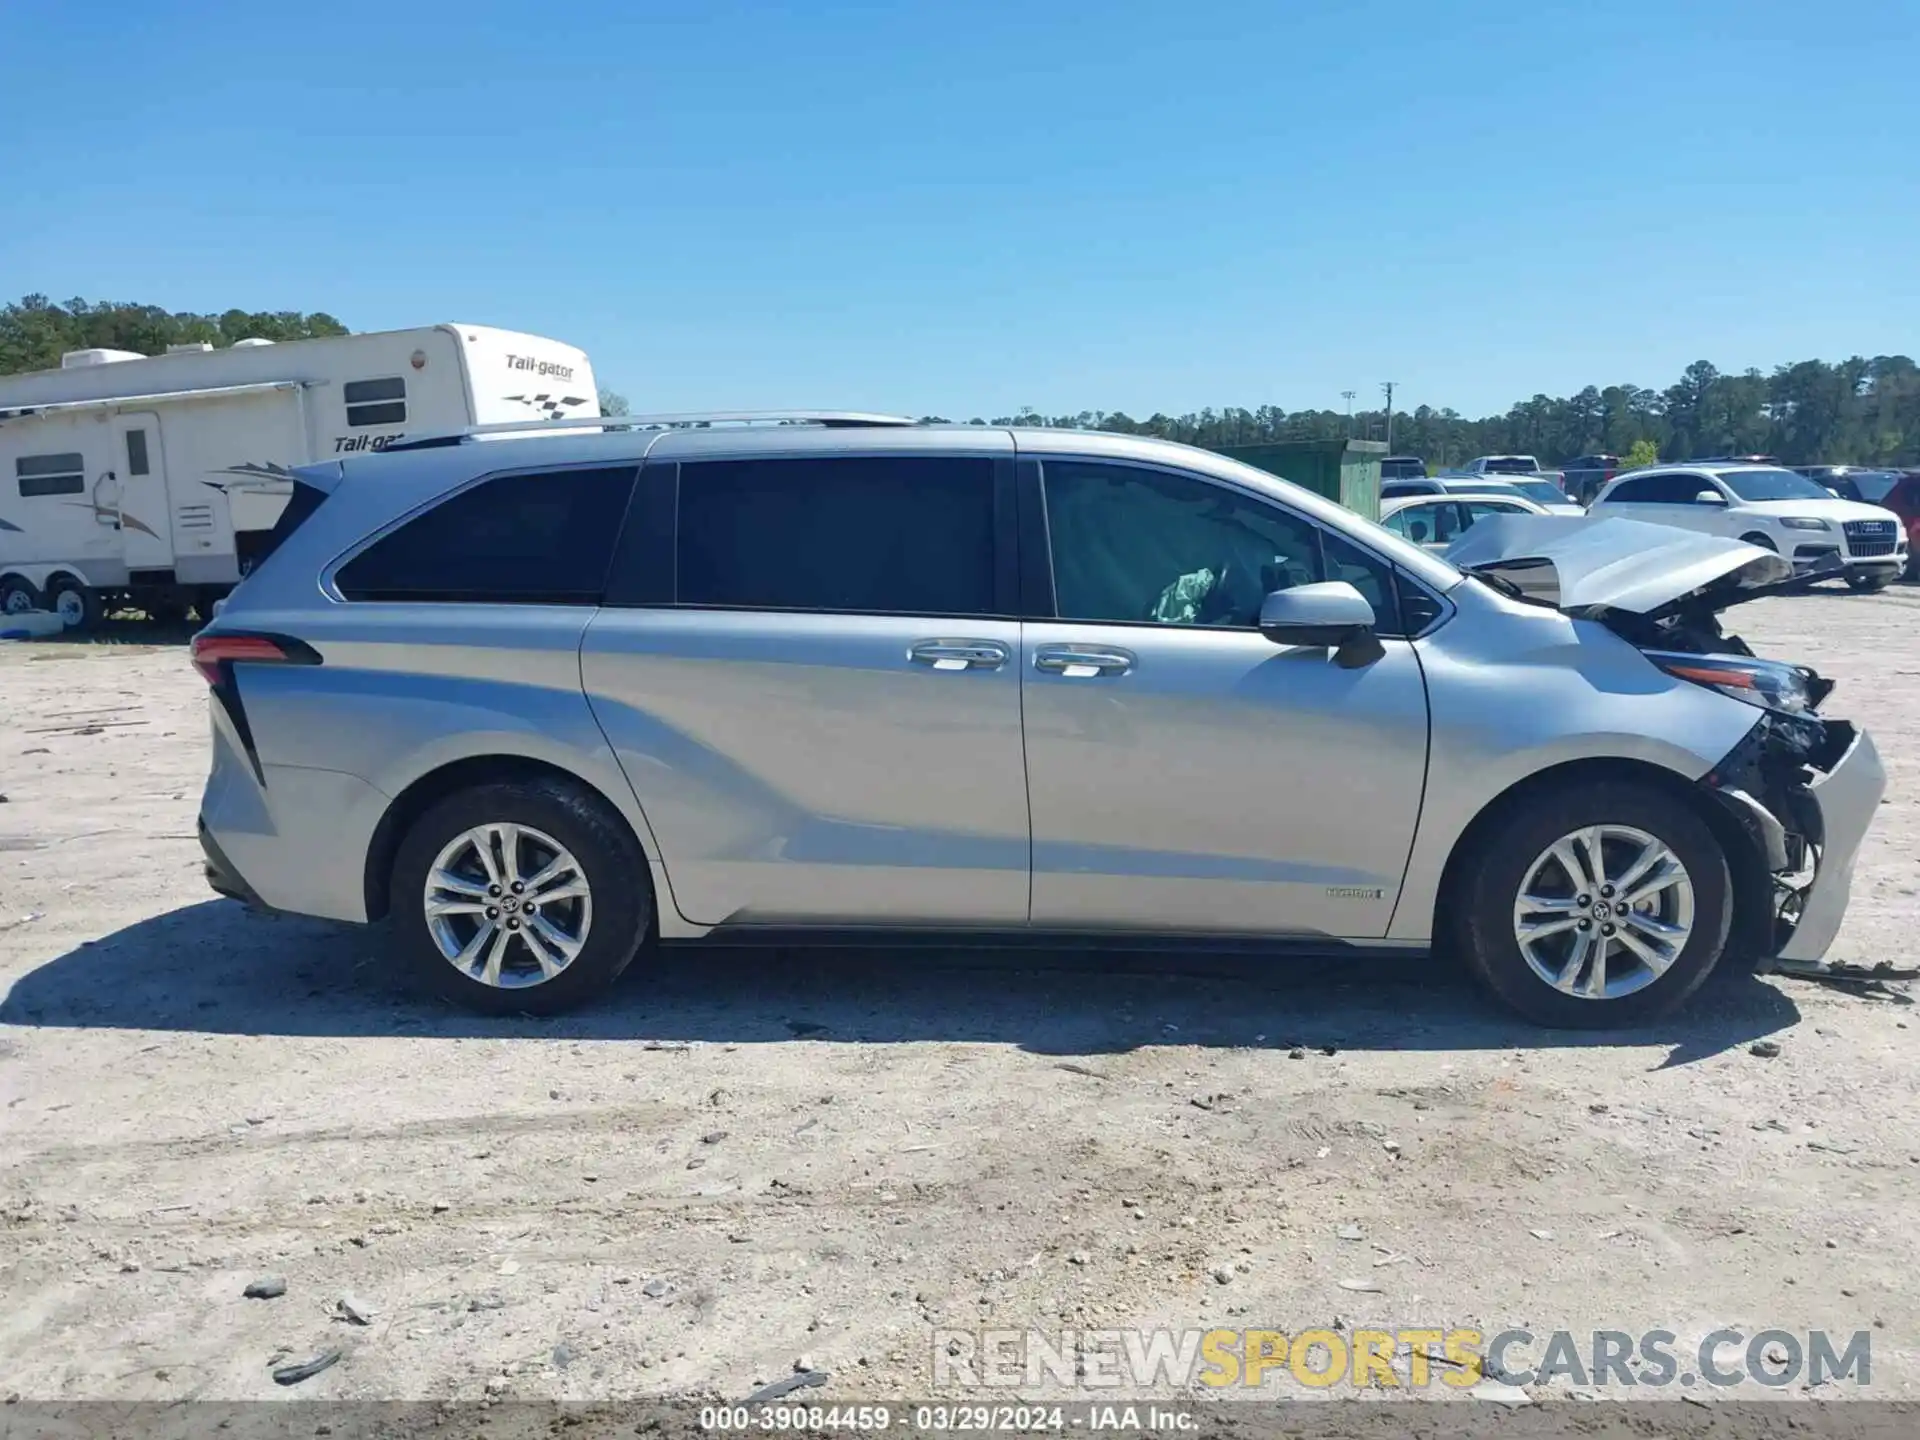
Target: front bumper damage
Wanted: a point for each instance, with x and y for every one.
(1804, 790)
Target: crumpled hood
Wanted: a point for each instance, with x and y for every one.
(1582, 564)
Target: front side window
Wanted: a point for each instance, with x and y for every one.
(375, 402)
(1481, 509)
(516, 539)
(1771, 485)
(1138, 546)
(868, 534)
(1427, 524)
(63, 474)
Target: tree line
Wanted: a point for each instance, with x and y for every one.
(1855, 411)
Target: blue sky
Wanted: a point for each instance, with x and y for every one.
(964, 209)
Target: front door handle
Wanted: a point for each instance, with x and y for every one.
(960, 654)
(1079, 661)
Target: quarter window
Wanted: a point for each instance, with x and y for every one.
(516, 539)
(51, 474)
(864, 534)
(376, 402)
(1142, 546)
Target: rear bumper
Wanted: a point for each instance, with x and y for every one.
(222, 878)
(1846, 797)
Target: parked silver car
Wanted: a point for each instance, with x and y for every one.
(547, 701)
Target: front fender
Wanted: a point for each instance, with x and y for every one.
(1515, 691)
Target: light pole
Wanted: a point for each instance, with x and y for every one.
(1387, 385)
(1349, 394)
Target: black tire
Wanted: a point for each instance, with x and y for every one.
(1868, 584)
(615, 869)
(18, 594)
(92, 609)
(1756, 538)
(1485, 894)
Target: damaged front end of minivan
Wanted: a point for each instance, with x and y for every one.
(1801, 788)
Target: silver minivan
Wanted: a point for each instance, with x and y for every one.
(547, 700)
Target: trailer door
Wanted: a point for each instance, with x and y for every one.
(140, 498)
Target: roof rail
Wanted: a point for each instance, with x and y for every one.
(689, 420)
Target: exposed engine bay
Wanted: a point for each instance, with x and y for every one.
(1664, 592)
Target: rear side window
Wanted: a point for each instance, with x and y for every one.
(867, 534)
(375, 402)
(1638, 491)
(540, 539)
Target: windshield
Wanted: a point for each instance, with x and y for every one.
(1874, 485)
(1545, 491)
(1511, 465)
(1772, 485)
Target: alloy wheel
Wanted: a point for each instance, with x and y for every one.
(1603, 912)
(507, 905)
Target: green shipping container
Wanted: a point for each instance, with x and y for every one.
(1346, 471)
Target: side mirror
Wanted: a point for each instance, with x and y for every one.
(1709, 497)
(1331, 613)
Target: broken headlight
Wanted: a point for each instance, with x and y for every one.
(1788, 689)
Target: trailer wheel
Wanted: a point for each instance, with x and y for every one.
(18, 595)
(78, 606)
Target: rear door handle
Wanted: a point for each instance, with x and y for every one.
(1080, 661)
(960, 654)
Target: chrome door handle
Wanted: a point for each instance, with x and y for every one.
(960, 654)
(1079, 661)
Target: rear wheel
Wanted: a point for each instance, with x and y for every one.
(78, 606)
(525, 895)
(18, 596)
(1596, 906)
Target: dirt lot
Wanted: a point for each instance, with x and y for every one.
(743, 1159)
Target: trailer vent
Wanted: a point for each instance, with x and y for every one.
(98, 355)
(193, 517)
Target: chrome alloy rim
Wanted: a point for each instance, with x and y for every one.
(508, 906)
(1603, 912)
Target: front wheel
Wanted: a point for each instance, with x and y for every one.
(521, 895)
(1596, 906)
(1869, 584)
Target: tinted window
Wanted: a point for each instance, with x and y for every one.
(137, 452)
(872, 534)
(375, 402)
(526, 539)
(1511, 465)
(1147, 546)
(1639, 490)
(51, 474)
(1544, 491)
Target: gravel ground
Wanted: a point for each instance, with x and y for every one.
(745, 1160)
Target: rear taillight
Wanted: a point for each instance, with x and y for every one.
(213, 650)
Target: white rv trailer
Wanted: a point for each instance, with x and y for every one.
(156, 480)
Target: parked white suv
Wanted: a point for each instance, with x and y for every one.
(1767, 506)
